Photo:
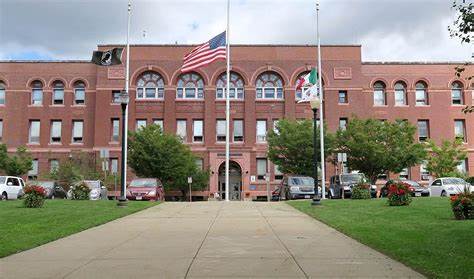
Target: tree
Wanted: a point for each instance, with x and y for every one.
(160, 155)
(16, 165)
(375, 147)
(291, 147)
(445, 158)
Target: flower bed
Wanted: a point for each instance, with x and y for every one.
(80, 192)
(399, 193)
(34, 196)
(462, 205)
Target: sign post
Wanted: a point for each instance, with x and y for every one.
(267, 179)
(190, 181)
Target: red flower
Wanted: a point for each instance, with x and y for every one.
(454, 198)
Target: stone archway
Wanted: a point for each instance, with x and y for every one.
(235, 181)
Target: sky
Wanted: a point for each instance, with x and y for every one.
(388, 30)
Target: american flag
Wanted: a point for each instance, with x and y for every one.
(205, 54)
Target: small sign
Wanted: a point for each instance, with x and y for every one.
(253, 187)
(252, 178)
(190, 180)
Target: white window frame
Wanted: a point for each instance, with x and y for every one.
(261, 175)
(234, 136)
(263, 125)
(77, 131)
(260, 91)
(159, 122)
(424, 138)
(33, 172)
(115, 130)
(139, 124)
(2, 94)
(53, 165)
(34, 138)
(460, 99)
(55, 133)
(235, 93)
(463, 129)
(221, 130)
(381, 91)
(343, 120)
(158, 94)
(83, 100)
(35, 91)
(198, 130)
(403, 93)
(182, 123)
(1, 130)
(421, 101)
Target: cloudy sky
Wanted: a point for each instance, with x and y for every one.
(388, 30)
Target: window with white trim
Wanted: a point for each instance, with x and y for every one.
(77, 131)
(380, 96)
(199, 163)
(79, 93)
(114, 165)
(33, 172)
(404, 174)
(238, 130)
(342, 97)
(462, 167)
(400, 94)
(220, 130)
(198, 130)
(277, 172)
(423, 130)
(53, 165)
(115, 130)
(150, 86)
(1, 130)
(236, 84)
(269, 86)
(116, 96)
(299, 91)
(261, 130)
(261, 168)
(37, 93)
(2, 93)
(190, 86)
(34, 134)
(158, 122)
(181, 129)
(58, 93)
(420, 94)
(424, 173)
(460, 129)
(140, 123)
(342, 124)
(456, 93)
(56, 131)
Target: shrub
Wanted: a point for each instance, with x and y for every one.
(399, 193)
(361, 191)
(462, 205)
(34, 196)
(80, 192)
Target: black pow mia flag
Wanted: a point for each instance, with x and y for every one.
(108, 58)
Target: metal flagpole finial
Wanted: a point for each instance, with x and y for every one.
(129, 5)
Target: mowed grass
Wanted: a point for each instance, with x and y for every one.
(24, 228)
(423, 235)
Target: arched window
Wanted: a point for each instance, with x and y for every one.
(37, 93)
(456, 93)
(400, 94)
(190, 86)
(269, 85)
(380, 97)
(421, 94)
(2, 93)
(150, 85)
(58, 93)
(236, 91)
(79, 93)
(299, 92)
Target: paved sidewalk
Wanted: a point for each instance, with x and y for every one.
(206, 239)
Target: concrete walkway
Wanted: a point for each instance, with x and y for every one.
(206, 239)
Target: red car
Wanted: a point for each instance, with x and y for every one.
(148, 189)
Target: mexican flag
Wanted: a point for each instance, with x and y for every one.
(309, 79)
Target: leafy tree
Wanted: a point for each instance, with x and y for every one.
(445, 158)
(291, 147)
(16, 165)
(375, 147)
(156, 154)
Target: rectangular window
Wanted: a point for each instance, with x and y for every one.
(79, 96)
(400, 97)
(423, 130)
(37, 96)
(2, 95)
(460, 130)
(200, 163)
(116, 96)
(233, 96)
(56, 131)
(33, 172)
(342, 162)
(421, 97)
(456, 96)
(140, 123)
(278, 173)
(275, 123)
(261, 168)
(58, 96)
(53, 165)
(221, 130)
(342, 97)
(404, 174)
(77, 131)
(261, 130)
(158, 122)
(342, 124)
(238, 130)
(424, 174)
(269, 93)
(462, 167)
(198, 127)
(1, 130)
(114, 165)
(181, 129)
(34, 134)
(115, 131)
(379, 97)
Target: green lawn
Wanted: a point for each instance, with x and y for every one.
(24, 228)
(423, 235)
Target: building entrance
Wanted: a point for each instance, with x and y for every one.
(235, 181)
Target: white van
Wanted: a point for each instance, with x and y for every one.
(11, 187)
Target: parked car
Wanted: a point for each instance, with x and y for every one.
(11, 187)
(448, 186)
(146, 189)
(98, 190)
(341, 185)
(52, 188)
(417, 190)
(297, 187)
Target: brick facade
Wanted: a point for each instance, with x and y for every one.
(342, 70)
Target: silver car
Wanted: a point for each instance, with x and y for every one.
(297, 187)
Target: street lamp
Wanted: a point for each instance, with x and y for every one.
(315, 102)
(124, 99)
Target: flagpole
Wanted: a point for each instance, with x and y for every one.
(227, 109)
(321, 114)
(125, 121)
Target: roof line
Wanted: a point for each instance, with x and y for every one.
(236, 45)
(45, 61)
(416, 63)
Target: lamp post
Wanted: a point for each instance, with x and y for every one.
(315, 102)
(124, 99)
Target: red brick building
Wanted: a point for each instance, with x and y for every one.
(57, 107)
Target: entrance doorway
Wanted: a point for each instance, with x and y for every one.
(235, 181)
